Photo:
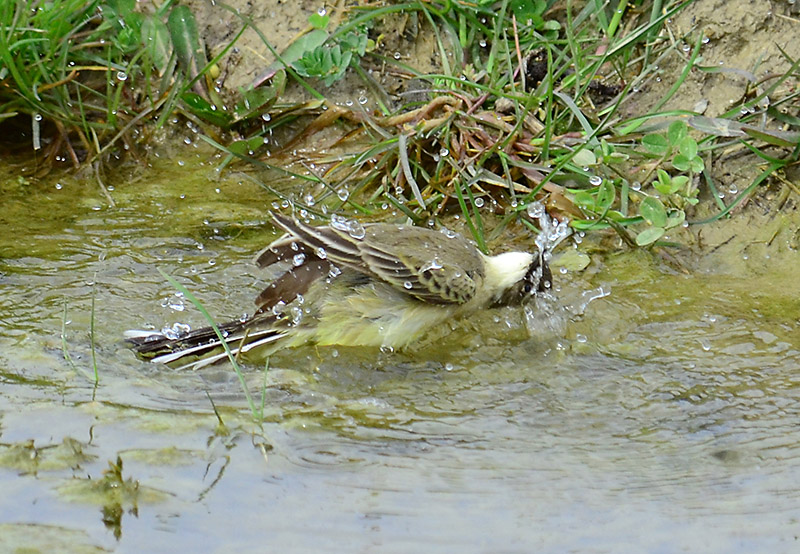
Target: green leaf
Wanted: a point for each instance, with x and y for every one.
(585, 199)
(588, 224)
(697, 164)
(307, 43)
(155, 38)
(584, 158)
(677, 132)
(200, 107)
(606, 148)
(357, 42)
(786, 139)
(246, 147)
(681, 162)
(649, 236)
(185, 38)
(117, 12)
(325, 63)
(688, 147)
(676, 217)
(666, 190)
(572, 260)
(318, 21)
(255, 101)
(527, 9)
(679, 181)
(652, 210)
(669, 185)
(605, 195)
(657, 144)
(623, 220)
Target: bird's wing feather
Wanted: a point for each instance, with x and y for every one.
(296, 281)
(424, 263)
(279, 250)
(419, 262)
(338, 247)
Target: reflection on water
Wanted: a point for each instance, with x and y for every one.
(665, 417)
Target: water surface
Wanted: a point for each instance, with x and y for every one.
(663, 419)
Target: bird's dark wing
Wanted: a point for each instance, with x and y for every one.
(296, 281)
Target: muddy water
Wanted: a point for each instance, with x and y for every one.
(665, 418)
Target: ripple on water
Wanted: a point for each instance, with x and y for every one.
(662, 412)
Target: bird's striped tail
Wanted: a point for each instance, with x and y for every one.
(202, 347)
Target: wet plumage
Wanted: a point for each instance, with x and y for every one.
(360, 285)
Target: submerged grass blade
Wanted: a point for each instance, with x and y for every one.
(197, 304)
(91, 335)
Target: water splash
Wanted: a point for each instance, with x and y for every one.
(175, 331)
(552, 230)
(548, 316)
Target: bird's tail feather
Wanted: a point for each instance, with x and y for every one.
(202, 346)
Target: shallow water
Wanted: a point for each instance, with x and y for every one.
(663, 419)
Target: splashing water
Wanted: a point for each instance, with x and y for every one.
(546, 316)
(552, 230)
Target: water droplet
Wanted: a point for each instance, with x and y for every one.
(174, 302)
(595, 180)
(297, 314)
(479, 202)
(536, 210)
(298, 259)
(343, 194)
(320, 252)
(435, 263)
(175, 331)
(356, 230)
(408, 285)
(122, 76)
